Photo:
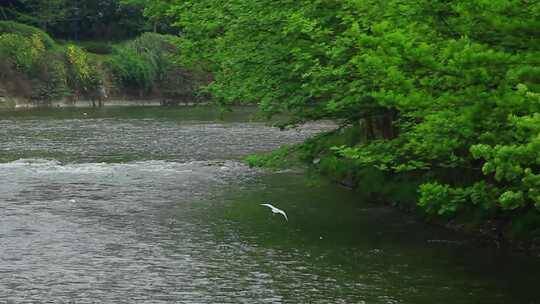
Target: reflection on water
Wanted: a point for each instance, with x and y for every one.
(94, 211)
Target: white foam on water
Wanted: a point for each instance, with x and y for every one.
(42, 179)
(39, 165)
(26, 162)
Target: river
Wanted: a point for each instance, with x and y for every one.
(152, 205)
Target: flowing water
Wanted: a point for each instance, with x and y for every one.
(151, 205)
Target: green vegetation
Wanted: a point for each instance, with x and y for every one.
(28, 58)
(37, 68)
(444, 95)
(150, 65)
(24, 52)
(282, 158)
(85, 74)
(144, 61)
(26, 31)
(82, 19)
(438, 101)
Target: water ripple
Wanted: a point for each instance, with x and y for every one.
(158, 211)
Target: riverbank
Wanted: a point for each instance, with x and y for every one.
(37, 71)
(21, 104)
(514, 231)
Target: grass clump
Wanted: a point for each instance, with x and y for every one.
(284, 157)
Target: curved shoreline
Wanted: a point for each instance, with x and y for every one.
(17, 103)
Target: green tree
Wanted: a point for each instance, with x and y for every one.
(445, 90)
(156, 11)
(78, 19)
(44, 13)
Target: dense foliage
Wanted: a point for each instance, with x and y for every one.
(156, 12)
(23, 52)
(445, 90)
(84, 19)
(26, 31)
(34, 67)
(84, 73)
(149, 65)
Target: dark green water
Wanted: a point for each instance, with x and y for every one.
(150, 205)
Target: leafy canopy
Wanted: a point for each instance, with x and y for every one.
(447, 88)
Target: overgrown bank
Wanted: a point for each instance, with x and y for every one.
(515, 230)
(445, 95)
(36, 69)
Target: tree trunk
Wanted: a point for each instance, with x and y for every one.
(387, 126)
(3, 13)
(368, 128)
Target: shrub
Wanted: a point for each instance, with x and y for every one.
(23, 52)
(143, 62)
(158, 50)
(132, 68)
(78, 64)
(54, 78)
(27, 31)
(83, 73)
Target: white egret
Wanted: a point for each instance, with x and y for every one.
(276, 210)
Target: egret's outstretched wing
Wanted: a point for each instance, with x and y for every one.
(284, 214)
(276, 210)
(269, 206)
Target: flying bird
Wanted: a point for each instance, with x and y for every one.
(276, 210)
